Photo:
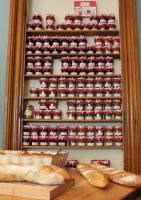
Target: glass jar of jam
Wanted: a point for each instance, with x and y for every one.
(71, 104)
(34, 91)
(99, 131)
(99, 92)
(99, 49)
(43, 82)
(90, 142)
(71, 92)
(43, 92)
(108, 142)
(107, 82)
(53, 131)
(72, 130)
(108, 114)
(63, 92)
(81, 92)
(65, 61)
(71, 114)
(107, 41)
(116, 41)
(82, 41)
(28, 112)
(47, 70)
(62, 82)
(30, 26)
(26, 131)
(107, 49)
(109, 61)
(108, 92)
(100, 61)
(43, 132)
(108, 131)
(93, 19)
(52, 104)
(80, 82)
(90, 92)
(116, 104)
(118, 141)
(99, 142)
(98, 115)
(62, 131)
(47, 114)
(89, 105)
(108, 104)
(116, 82)
(116, 50)
(79, 105)
(80, 115)
(117, 130)
(98, 40)
(90, 49)
(56, 114)
(38, 114)
(89, 114)
(89, 82)
(116, 92)
(71, 82)
(53, 82)
(50, 19)
(52, 92)
(30, 49)
(43, 104)
(35, 131)
(111, 19)
(90, 131)
(81, 142)
(117, 114)
(81, 131)
(69, 19)
(98, 104)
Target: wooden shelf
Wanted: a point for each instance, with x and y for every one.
(69, 147)
(69, 76)
(67, 120)
(65, 98)
(59, 55)
(73, 32)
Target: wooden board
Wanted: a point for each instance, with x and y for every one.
(34, 191)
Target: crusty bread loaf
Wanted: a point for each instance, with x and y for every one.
(94, 177)
(118, 176)
(43, 174)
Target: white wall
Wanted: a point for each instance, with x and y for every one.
(59, 8)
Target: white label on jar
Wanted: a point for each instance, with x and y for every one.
(38, 44)
(38, 73)
(38, 117)
(99, 94)
(108, 95)
(116, 85)
(99, 144)
(71, 85)
(81, 133)
(28, 112)
(98, 107)
(61, 143)
(107, 44)
(79, 107)
(71, 107)
(63, 134)
(29, 73)
(43, 85)
(42, 94)
(62, 85)
(116, 94)
(73, 73)
(98, 116)
(47, 117)
(62, 94)
(43, 133)
(109, 133)
(26, 143)
(81, 85)
(100, 73)
(89, 117)
(42, 107)
(91, 73)
(34, 133)
(49, 21)
(98, 43)
(108, 64)
(82, 44)
(108, 116)
(47, 73)
(52, 143)
(116, 107)
(89, 85)
(90, 144)
(82, 73)
(43, 143)
(52, 106)
(71, 95)
(81, 144)
(71, 117)
(26, 133)
(56, 117)
(73, 143)
(111, 21)
(118, 117)
(73, 44)
(53, 85)
(117, 133)
(89, 107)
(108, 85)
(35, 143)
(77, 21)
(80, 117)
(65, 44)
(68, 21)
(107, 51)
(118, 143)
(89, 94)
(52, 94)
(46, 44)
(72, 133)
(99, 133)
(90, 134)
(108, 143)
(56, 44)
(108, 107)
(52, 133)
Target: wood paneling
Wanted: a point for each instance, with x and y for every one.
(130, 74)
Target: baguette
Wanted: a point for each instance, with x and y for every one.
(119, 176)
(43, 174)
(94, 177)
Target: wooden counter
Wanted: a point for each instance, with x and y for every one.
(84, 191)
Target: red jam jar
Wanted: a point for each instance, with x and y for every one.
(90, 142)
(108, 131)
(102, 26)
(71, 82)
(116, 92)
(118, 141)
(43, 104)
(90, 131)
(98, 40)
(108, 104)
(109, 61)
(108, 114)
(109, 70)
(74, 61)
(98, 104)
(89, 105)
(108, 92)
(30, 41)
(116, 82)
(99, 92)
(100, 61)
(71, 92)
(63, 92)
(116, 104)
(47, 114)
(62, 131)
(30, 49)
(38, 70)
(47, 70)
(82, 41)
(72, 130)
(37, 18)
(117, 114)
(35, 130)
(107, 41)
(81, 50)
(30, 65)
(99, 142)
(43, 82)
(107, 49)
(93, 19)
(99, 131)
(89, 82)
(99, 49)
(116, 41)
(53, 131)
(98, 114)
(52, 92)
(79, 105)
(65, 70)
(116, 50)
(26, 131)
(90, 49)
(98, 82)
(38, 114)
(111, 19)
(34, 91)
(30, 26)
(56, 41)
(43, 92)
(38, 26)
(52, 104)
(89, 114)
(117, 130)
(78, 19)
(81, 92)
(60, 26)
(80, 82)
(48, 61)
(81, 131)
(107, 82)
(91, 61)
(53, 82)
(56, 114)
(50, 19)
(90, 92)
(38, 61)
(88, 26)
(102, 19)
(70, 115)
(43, 132)
(69, 19)
(50, 27)
(111, 26)
(71, 104)
(108, 142)
(80, 115)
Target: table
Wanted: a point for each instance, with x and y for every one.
(84, 191)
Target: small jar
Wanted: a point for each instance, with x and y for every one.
(38, 61)
(52, 104)
(98, 104)
(73, 70)
(98, 92)
(62, 131)
(37, 18)
(65, 70)
(93, 19)
(62, 82)
(90, 131)
(80, 115)
(102, 26)
(116, 50)
(98, 115)
(107, 49)
(89, 105)
(52, 143)
(116, 92)
(30, 40)
(26, 130)
(118, 143)
(53, 82)
(104, 162)
(34, 91)
(108, 92)
(116, 82)
(53, 131)
(98, 41)
(109, 70)
(80, 82)
(102, 19)
(117, 114)
(89, 82)
(111, 19)
(38, 70)
(90, 142)
(71, 115)
(91, 61)
(89, 115)
(43, 132)
(28, 112)
(43, 92)
(90, 92)
(29, 70)
(90, 49)
(43, 81)
(47, 114)
(109, 61)
(108, 104)
(71, 104)
(99, 143)
(64, 42)
(116, 41)
(111, 26)
(43, 104)
(91, 71)
(71, 82)
(108, 114)
(81, 92)
(69, 19)
(38, 26)
(73, 42)
(38, 42)
(99, 132)
(99, 49)
(35, 131)
(47, 70)
(81, 50)
(78, 19)
(50, 27)
(107, 41)
(108, 142)
(81, 143)
(71, 92)
(63, 92)
(30, 49)
(74, 62)
(69, 26)
(72, 50)
(30, 26)
(43, 143)
(88, 26)
(72, 131)
(100, 61)
(52, 92)
(38, 49)
(56, 114)
(48, 61)
(82, 41)
(108, 130)
(55, 42)
(50, 19)
(38, 114)
(25, 142)
(79, 105)
(98, 82)
(107, 82)
(117, 130)
(81, 131)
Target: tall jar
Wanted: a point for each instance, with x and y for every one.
(70, 115)
(79, 105)
(28, 111)
(50, 19)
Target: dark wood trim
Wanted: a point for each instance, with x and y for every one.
(14, 74)
(131, 88)
(130, 72)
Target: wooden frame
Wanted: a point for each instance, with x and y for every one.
(130, 72)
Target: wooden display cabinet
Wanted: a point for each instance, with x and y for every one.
(130, 78)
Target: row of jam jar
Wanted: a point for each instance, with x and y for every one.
(73, 50)
(94, 115)
(73, 163)
(73, 41)
(71, 131)
(74, 142)
(75, 92)
(72, 21)
(97, 82)
(97, 104)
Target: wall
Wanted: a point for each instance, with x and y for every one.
(4, 23)
(62, 8)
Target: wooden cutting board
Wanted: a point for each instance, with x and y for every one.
(34, 191)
